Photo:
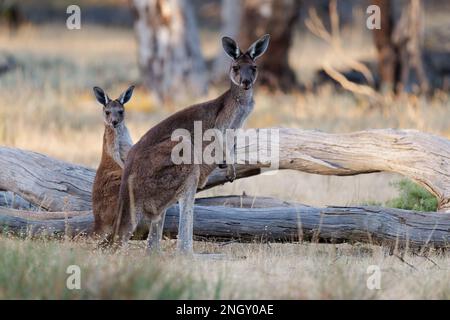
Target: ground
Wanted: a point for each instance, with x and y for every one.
(47, 106)
(34, 269)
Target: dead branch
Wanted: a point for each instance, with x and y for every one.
(226, 218)
(317, 27)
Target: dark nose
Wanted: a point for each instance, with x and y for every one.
(246, 83)
(115, 122)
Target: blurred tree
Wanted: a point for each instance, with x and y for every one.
(388, 63)
(231, 17)
(408, 37)
(169, 53)
(248, 20)
(11, 13)
(399, 44)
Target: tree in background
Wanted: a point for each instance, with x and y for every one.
(231, 12)
(399, 44)
(249, 19)
(11, 13)
(388, 63)
(169, 54)
(408, 37)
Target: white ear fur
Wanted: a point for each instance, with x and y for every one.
(122, 98)
(259, 47)
(126, 96)
(101, 96)
(231, 47)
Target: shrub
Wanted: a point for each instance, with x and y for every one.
(413, 197)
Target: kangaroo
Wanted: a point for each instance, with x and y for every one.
(116, 145)
(151, 182)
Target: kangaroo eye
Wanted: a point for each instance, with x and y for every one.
(107, 113)
(254, 68)
(235, 68)
(121, 112)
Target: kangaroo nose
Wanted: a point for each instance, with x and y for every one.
(115, 122)
(246, 83)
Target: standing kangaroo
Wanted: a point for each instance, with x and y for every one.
(116, 145)
(151, 182)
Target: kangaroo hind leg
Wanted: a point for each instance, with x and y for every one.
(155, 234)
(186, 221)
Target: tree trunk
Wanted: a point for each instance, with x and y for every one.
(12, 14)
(408, 37)
(424, 158)
(169, 52)
(399, 45)
(388, 59)
(231, 13)
(277, 18)
(250, 219)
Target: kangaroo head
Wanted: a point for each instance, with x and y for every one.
(113, 110)
(243, 71)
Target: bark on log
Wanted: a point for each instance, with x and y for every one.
(49, 183)
(58, 186)
(422, 157)
(263, 219)
(14, 201)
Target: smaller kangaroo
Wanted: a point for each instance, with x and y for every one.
(116, 144)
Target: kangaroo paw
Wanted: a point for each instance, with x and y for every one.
(231, 173)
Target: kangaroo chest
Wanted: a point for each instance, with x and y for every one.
(241, 114)
(124, 144)
(119, 145)
(235, 115)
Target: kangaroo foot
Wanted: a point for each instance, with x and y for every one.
(231, 173)
(185, 248)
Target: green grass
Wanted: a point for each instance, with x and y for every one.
(413, 197)
(37, 270)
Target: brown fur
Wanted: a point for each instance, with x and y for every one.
(156, 182)
(116, 144)
(106, 187)
(151, 182)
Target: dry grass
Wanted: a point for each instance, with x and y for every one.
(47, 106)
(37, 269)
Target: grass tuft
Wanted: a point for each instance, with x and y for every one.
(413, 197)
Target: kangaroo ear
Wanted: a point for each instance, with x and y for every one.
(231, 47)
(258, 48)
(101, 96)
(126, 96)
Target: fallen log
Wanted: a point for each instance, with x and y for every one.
(265, 219)
(11, 200)
(49, 183)
(56, 185)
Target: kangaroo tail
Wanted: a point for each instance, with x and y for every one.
(121, 218)
(113, 237)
